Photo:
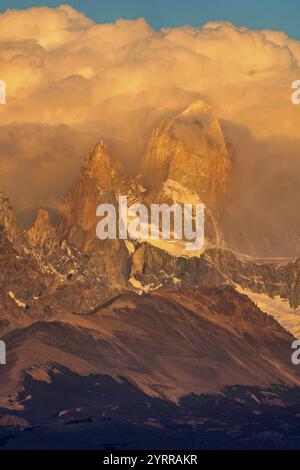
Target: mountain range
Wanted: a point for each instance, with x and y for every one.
(127, 344)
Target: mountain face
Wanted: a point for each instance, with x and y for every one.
(144, 323)
(21, 281)
(77, 223)
(275, 278)
(190, 150)
(9, 223)
(153, 267)
(42, 234)
(168, 343)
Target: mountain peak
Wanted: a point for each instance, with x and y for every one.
(78, 221)
(197, 107)
(4, 202)
(42, 232)
(43, 217)
(99, 155)
(98, 165)
(189, 149)
(9, 222)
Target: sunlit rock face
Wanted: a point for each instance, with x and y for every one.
(78, 220)
(9, 223)
(94, 185)
(42, 234)
(190, 150)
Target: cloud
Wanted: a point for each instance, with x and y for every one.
(39, 163)
(78, 80)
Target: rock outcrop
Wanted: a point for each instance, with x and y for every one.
(42, 234)
(9, 222)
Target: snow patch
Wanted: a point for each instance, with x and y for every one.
(141, 288)
(278, 308)
(179, 193)
(17, 301)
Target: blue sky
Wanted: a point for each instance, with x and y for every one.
(274, 14)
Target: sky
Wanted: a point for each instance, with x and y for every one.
(255, 14)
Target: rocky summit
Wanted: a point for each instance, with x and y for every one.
(190, 150)
(77, 221)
